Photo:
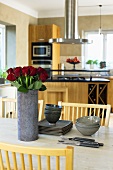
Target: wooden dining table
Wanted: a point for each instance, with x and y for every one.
(85, 158)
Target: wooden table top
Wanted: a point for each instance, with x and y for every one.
(85, 158)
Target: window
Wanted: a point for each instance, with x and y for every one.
(101, 49)
(2, 46)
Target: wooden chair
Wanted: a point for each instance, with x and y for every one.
(12, 160)
(62, 94)
(8, 107)
(40, 109)
(72, 111)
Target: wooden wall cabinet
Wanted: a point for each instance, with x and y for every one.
(42, 33)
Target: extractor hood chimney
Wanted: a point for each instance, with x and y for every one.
(71, 25)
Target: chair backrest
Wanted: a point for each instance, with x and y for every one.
(18, 153)
(40, 109)
(72, 111)
(8, 107)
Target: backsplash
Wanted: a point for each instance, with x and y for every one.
(70, 66)
(80, 66)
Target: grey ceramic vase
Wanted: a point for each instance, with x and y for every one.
(52, 113)
(27, 104)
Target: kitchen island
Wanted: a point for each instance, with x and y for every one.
(74, 88)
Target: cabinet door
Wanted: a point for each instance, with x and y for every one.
(102, 95)
(55, 31)
(46, 32)
(92, 93)
(97, 93)
(33, 33)
(41, 32)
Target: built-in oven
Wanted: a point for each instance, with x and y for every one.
(41, 51)
(46, 64)
(42, 55)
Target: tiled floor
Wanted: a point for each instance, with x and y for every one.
(111, 120)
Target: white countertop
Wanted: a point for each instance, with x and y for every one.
(5, 84)
(85, 158)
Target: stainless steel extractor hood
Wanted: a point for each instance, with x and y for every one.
(71, 25)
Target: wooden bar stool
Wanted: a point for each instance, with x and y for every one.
(55, 93)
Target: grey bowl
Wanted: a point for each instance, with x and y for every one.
(52, 116)
(87, 131)
(88, 120)
(87, 125)
(53, 107)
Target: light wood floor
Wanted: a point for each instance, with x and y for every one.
(111, 120)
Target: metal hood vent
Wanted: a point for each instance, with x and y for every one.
(71, 25)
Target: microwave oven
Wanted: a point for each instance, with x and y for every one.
(41, 51)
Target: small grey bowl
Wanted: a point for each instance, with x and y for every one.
(88, 125)
(53, 107)
(52, 113)
(88, 120)
(87, 131)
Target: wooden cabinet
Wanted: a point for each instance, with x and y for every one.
(78, 92)
(110, 93)
(38, 33)
(45, 32)
(97, 93)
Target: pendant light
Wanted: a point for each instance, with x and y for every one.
(100, 28)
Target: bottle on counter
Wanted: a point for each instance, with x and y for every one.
(61, 67)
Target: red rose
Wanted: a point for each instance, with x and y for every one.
(10, 70)
(40, 70)
(11, 77)
(17, 71)
(25, 70)
(43, 76)
(33, 71)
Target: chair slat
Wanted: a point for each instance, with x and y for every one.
(7, 160)
(14, 160)
(86, 111)
(57, 163)
(22, 161)
(40, 109)
(39, 162)
(76, 110)
(1, 161)
(48, 162)
(30, 162)
(73, 116)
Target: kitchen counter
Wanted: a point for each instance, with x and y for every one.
(80, 76)
(79, 80)
(76, 78)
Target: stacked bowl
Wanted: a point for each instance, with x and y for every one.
(52, 113)
(88, 125)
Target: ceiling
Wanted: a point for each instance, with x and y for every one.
(55, 8)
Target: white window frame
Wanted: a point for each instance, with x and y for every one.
(85, 46)
(3, 46)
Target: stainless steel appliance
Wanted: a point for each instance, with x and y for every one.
(42, 55)
(71, 25)
(41, 51)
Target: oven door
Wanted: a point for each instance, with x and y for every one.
(47, 65)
